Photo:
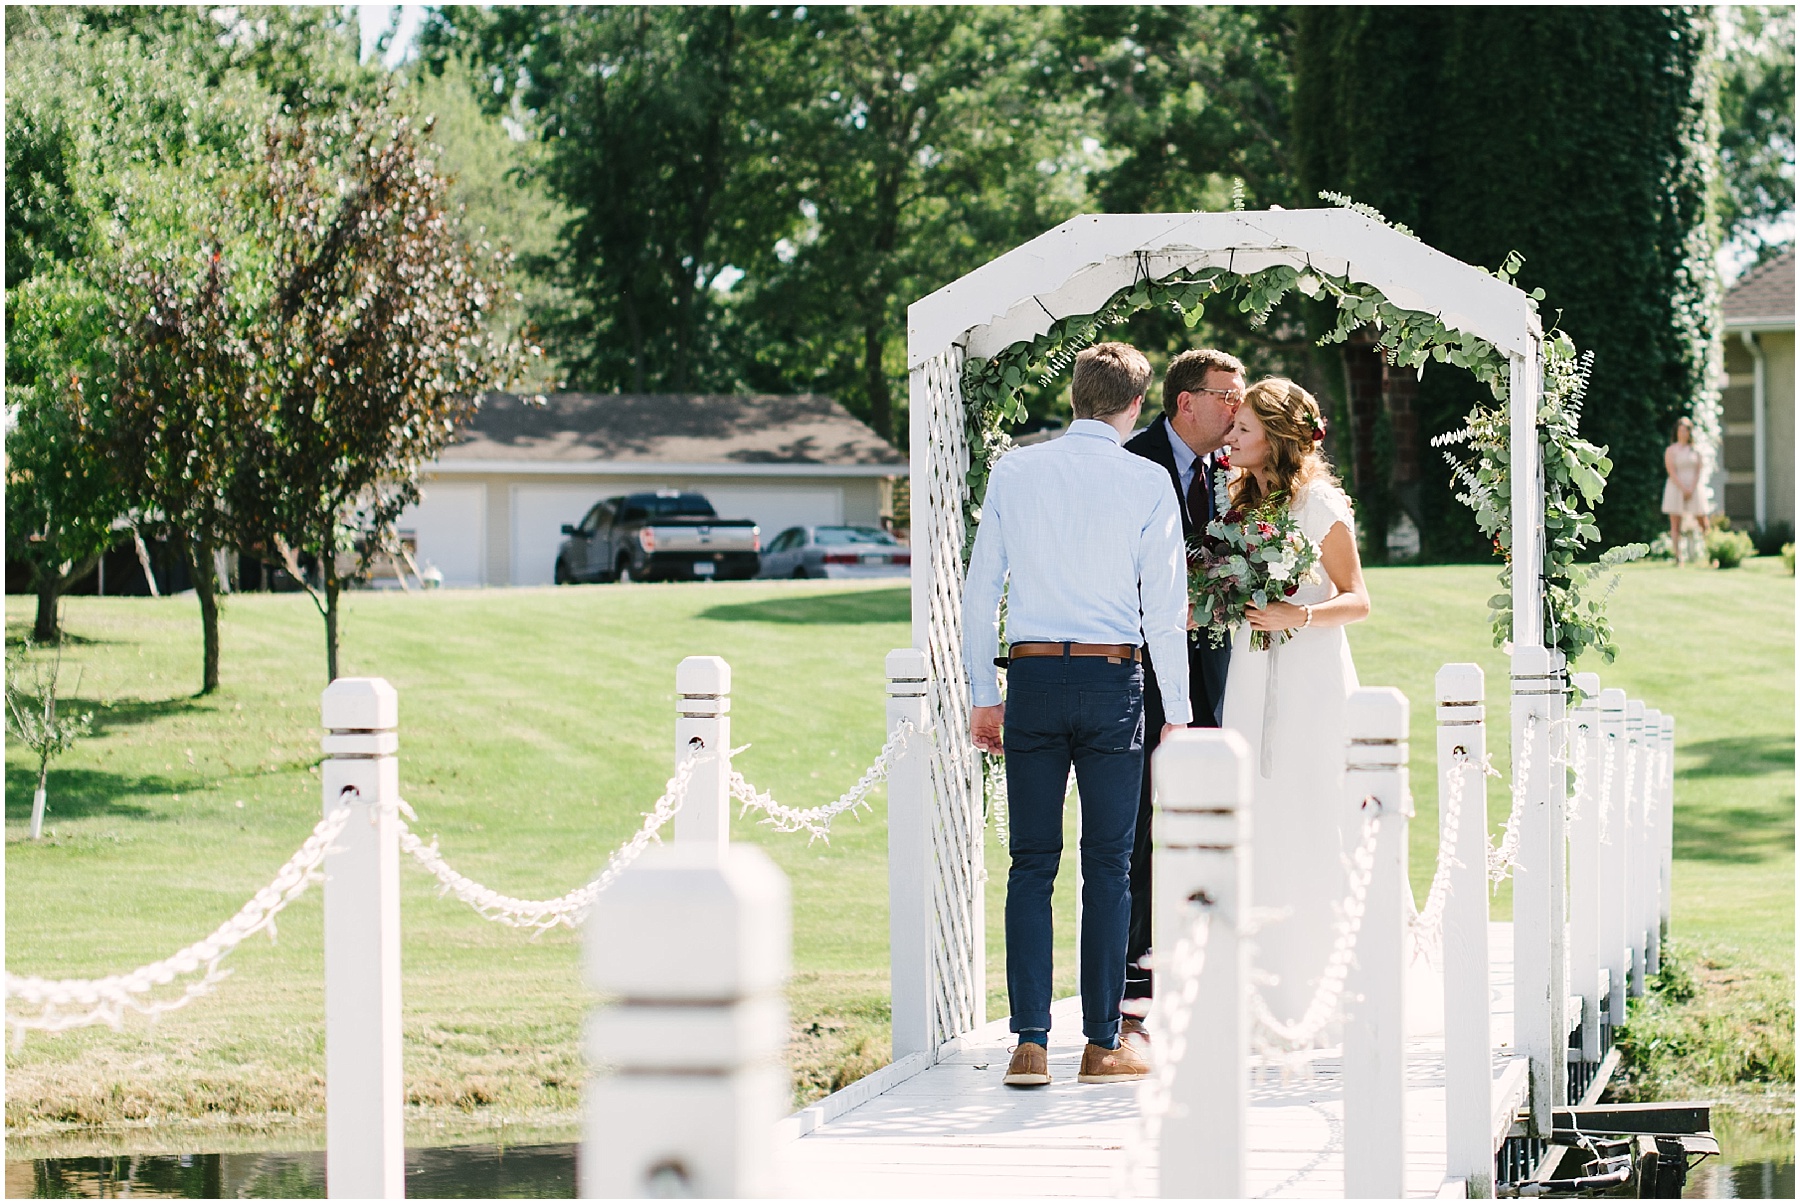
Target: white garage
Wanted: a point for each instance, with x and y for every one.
(494, 504)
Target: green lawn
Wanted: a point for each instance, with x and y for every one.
(535, 727)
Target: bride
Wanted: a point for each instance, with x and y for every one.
(1288, 703)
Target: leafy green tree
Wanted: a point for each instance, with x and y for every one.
(1756, 117)
(1580, 137)
(373, 346)
(923, 142)
(32, 689)
(654, 119)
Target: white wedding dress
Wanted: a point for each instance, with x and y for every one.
(1288, 704)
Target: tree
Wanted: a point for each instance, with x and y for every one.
(31, 716)
(63, 493)
(658, 143)
(1756, 135)
(1581, 138)
(922, 142)
(180, 401)
(374, 343)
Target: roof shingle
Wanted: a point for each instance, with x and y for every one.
(1765, 293)
(665, 428)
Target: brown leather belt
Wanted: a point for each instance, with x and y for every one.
(1112, 652)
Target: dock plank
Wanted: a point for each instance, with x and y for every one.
(955, 1129)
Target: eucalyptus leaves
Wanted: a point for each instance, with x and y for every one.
(1574, 470)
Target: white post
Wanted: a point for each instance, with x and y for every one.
(1537, 909)
(365, 1154)
(1648, 903)
(1585, 959)
(1527, 500)
(909, 855)
(1375, 1032)
(1468, 1022)
(1612, 855)
(694, 945)
(1666, 851)
(1556, 812)
(1638, 757)
(1202, 842)
(703, 730)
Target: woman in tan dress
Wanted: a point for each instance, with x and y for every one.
(1685, 495)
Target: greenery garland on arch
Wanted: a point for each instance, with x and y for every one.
(1575, 470)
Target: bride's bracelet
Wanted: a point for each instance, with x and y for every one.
(1308, 623)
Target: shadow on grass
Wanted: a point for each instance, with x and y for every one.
(130, 712)
(17, 633)
(1740, 756)
(872, 606)
(84, 793)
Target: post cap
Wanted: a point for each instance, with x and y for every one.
(1377, 713)
(1202, 768)
(906, 664)
(1612, 699)
(1587, 683)
(703, 675)
(691, 924)
(1668, 725)
(1529, 660)
(1634, 709)
(359, 704)
(1461, 682)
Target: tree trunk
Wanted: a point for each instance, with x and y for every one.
(206, 588)
(49, 589)
(881, 401)
(37, 800)
(328, 568)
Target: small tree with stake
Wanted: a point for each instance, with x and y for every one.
(374, 346)
(31, 698)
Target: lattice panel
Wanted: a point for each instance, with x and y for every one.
(958, 953)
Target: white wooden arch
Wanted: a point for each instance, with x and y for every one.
(1073, 270)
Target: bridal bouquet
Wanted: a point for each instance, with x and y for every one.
(1247, 558)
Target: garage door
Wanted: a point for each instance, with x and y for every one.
(538, 513)
(777, 509)
(449, 523)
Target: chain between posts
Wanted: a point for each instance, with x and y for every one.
(75, 1003)
(1428, 925)
(1500, 860)
(1275, 1036)
(567, 910)
(1157, 1092)
(816, 821)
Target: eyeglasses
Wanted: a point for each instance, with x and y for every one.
(1232, 397)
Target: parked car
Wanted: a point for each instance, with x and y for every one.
(662, 536)
(836, 552)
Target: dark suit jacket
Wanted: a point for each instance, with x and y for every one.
(1206, 665)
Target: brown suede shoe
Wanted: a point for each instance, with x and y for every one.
(1102, 1065)
(1030, 1066)
(1132, 1032)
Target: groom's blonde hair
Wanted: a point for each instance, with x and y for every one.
(1108, 378)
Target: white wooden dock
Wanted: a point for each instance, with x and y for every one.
(953, 1129)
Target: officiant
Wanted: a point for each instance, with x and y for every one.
(1201, 393)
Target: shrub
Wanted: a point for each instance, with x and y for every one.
(1661, 548)
(1728, 549)
(1772, 537)
(1787, 557)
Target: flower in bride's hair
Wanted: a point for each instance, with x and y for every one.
(1318, 434)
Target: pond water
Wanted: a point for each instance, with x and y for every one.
(511, 1172)
(446, 1172)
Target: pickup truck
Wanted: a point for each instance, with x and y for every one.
(666, 536)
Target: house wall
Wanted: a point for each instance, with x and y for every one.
(1735, 486)
(511, 534)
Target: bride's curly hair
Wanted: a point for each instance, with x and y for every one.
(1295, 427)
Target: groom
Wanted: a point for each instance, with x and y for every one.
(1201, 392)
(1085, 541)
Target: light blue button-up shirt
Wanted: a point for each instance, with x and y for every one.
(1085, 538)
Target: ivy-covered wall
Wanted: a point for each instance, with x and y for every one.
(1579, 136)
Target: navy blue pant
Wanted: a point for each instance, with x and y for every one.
(1087, 710)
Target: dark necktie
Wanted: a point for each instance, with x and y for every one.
(1199, 496)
